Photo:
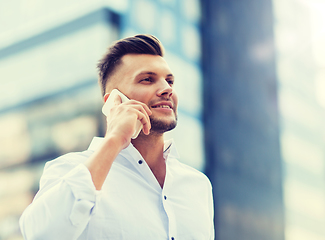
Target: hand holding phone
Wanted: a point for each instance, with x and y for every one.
(110, 103)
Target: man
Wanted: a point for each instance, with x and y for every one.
(123, 188)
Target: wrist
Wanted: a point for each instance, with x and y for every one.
(116, 140)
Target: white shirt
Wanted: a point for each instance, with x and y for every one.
(131, 204)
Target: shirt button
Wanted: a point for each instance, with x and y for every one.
(165, 197)
(140, 161)
(172, 238)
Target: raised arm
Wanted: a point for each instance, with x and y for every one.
(70, 185)
(121, 125)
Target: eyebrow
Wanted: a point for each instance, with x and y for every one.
(152, 73)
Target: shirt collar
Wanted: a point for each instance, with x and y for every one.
(169, 147)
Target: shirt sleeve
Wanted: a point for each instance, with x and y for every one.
(64, 204)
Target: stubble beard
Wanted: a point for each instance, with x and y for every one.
(159, 126)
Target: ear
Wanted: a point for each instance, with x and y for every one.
(106, 96)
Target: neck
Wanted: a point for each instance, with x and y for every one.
(151, 147)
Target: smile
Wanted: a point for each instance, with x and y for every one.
(161, 106)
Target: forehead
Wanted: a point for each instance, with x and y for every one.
(132, 64)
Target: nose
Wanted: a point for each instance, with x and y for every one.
(165, 90)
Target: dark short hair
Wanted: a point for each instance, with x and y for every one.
(139, 44)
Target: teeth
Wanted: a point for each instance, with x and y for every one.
(163, 106)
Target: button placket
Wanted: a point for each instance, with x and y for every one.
(167, 201)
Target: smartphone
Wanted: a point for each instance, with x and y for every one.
(110, 103)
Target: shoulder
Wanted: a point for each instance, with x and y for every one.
(63, 164)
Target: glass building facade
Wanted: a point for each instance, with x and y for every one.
(241, 119)
(300, 36)
(250, 80)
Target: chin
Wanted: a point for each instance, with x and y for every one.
(161, 126)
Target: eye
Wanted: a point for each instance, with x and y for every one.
(148, 79)
(170, 81)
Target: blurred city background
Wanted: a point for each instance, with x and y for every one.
(250, 75)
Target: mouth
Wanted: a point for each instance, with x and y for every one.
(165, 105)
(162, 106)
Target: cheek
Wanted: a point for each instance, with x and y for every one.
(141, 96)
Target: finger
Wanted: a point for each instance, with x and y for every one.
(146, 108)
(145, 122)
(141, 109)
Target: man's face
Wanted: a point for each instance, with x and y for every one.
(148, 79)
